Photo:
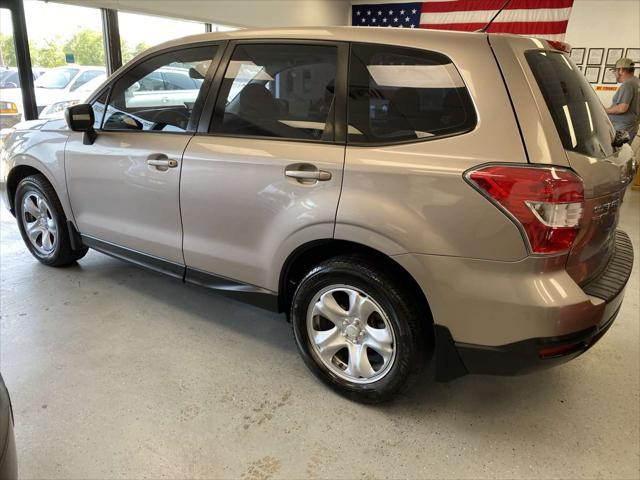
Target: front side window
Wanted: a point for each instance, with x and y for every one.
(401, 94)
(142, 100)
(278, 91)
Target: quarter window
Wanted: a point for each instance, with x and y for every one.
(149, 97)
(98, 109)
(281, 91)
(401, 94)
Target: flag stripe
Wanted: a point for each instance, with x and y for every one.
(523, 28)
(494, 5)
(541, 18)
(537, 15)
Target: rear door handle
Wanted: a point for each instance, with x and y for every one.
(319, 175)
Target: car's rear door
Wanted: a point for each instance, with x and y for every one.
(568, 126)
(124, 188)
(264, 175)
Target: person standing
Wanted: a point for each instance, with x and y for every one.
(624, 111)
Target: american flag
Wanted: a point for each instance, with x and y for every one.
(540, 18)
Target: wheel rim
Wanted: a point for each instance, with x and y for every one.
(39, 224)
(351, 334)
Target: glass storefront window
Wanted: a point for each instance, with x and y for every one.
(139, 32)
(63, 34)
(135, 39)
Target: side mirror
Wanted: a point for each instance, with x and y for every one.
(80, 119)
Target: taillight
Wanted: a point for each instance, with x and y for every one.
(558, 45)
(545, 201)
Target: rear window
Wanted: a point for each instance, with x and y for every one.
(399, 94)
(576, 110)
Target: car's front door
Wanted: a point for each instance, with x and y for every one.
(124, 188)
(266, 175)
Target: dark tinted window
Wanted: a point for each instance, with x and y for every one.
(400, 94)
(576, 110)
(283, 91)
(142, 100)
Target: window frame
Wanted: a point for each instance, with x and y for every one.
(202, 94)
(214, 106)
(415, 140)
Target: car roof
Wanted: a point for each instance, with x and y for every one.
(397, 36)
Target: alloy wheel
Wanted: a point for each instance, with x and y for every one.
(351, 334)
(38, 222)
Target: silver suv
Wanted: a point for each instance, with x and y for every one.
(395, 193)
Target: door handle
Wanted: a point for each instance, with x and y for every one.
(318, 175)
(162, 163)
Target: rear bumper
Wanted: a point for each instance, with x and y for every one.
(511, 318)
(529, 355)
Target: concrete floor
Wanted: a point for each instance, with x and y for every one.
(116, 372)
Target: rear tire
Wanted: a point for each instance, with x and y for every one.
(359, 329)
(43, 224)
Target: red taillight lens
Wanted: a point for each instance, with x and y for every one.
(558, 45)
(546, 201)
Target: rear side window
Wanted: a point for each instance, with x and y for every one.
(278, 91)
(401, 94)
(578, 114)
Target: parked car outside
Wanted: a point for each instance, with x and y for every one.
(55, 90)
(393, 192)
(9, 77)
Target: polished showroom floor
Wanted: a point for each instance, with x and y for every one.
(116, 372)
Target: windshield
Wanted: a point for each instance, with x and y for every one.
(578, 114)
(8, 76)
(57, 78)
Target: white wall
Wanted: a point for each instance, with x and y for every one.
(242, 13)
(604, 24)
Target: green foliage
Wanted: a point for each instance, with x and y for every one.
(7, 50)
(48, 54)
(87, 47)
(128, 54)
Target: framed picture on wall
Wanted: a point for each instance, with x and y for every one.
(577, 55)
(613, 55)
(633, 54)
(592, 74)
(595, 56)
(609, 76)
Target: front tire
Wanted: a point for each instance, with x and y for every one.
(359, 330)
(43, 224)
